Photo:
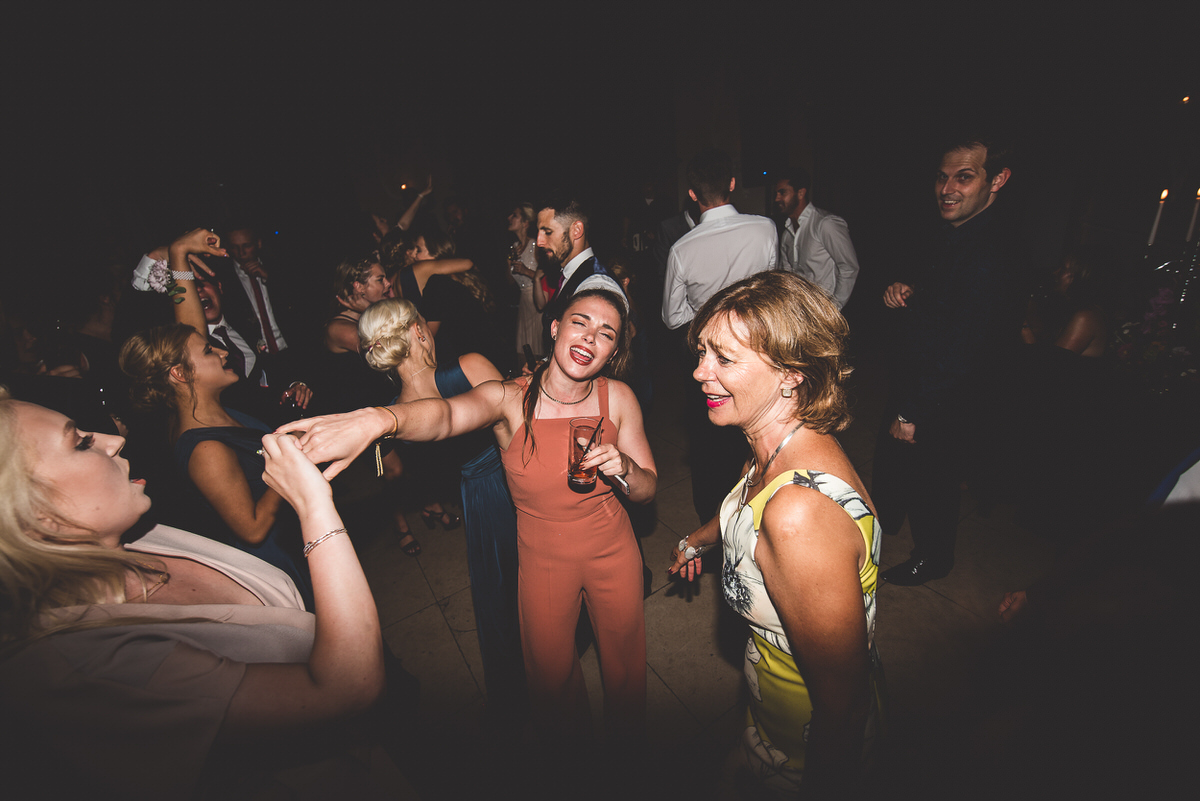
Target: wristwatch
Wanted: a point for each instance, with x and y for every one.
(690, 552)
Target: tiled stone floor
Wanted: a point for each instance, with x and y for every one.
(928, 636)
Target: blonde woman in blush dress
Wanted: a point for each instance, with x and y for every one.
(522, 264)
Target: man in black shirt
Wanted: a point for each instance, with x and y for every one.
(959, 315)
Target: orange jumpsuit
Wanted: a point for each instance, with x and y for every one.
(576, 548)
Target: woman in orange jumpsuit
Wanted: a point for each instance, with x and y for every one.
(574, 548)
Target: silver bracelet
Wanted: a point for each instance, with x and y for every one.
(178, 276)
(309, 547)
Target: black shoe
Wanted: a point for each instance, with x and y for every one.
(915, 572)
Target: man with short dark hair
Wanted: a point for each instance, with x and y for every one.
(261, 392)
(959, 315)
(245, 248)
(813, 243)
(562, 242)
(723, 248)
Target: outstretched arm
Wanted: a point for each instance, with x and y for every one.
(340, 438)
(406, 219)
(344, 673)
(423, 269)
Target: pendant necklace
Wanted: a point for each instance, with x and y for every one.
(747, 483)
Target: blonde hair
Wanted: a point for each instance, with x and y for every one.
(797, 328)
(383, 332)
(147, 358)
(46, 561)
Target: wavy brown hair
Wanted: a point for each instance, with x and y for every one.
(796, 327)
(147, 358)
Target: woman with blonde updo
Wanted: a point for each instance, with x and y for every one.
(397, 340)
(347, 383)
(177, 371)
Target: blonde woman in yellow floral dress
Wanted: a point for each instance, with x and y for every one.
(799, 535)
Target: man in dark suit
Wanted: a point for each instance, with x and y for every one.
(959, 314)
(268, 387)
(562, 241)
(260, 300)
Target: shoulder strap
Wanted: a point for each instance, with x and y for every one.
(602, 396)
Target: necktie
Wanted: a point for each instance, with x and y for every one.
(264, 318)
(237, 360)
(789, 244)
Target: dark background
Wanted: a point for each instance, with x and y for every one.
(132, 126)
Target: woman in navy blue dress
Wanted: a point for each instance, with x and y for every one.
(395, 338)
(176, 370)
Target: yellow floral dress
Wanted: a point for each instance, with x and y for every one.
(780, 709)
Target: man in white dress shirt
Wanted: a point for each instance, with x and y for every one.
(245, 246)
(814, 244)
(723, 248)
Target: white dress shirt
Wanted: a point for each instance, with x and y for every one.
(816, 246)
(239, 342)
(247, 284)
(723, 248)
(592, 281)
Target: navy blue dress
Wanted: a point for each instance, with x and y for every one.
(490, 522)
(245, 443)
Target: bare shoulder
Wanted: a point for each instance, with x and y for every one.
(623, 404)
(478, 369)
(513, 396)
(802, 518)
(620, 393)
(211, 455)
(342, 334)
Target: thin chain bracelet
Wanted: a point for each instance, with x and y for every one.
(309, 547)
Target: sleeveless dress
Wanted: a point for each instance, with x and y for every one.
(576, 549)
(245, 444)
(529, 319)
(780, 708)
(490, 524)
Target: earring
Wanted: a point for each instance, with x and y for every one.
(786, 392)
